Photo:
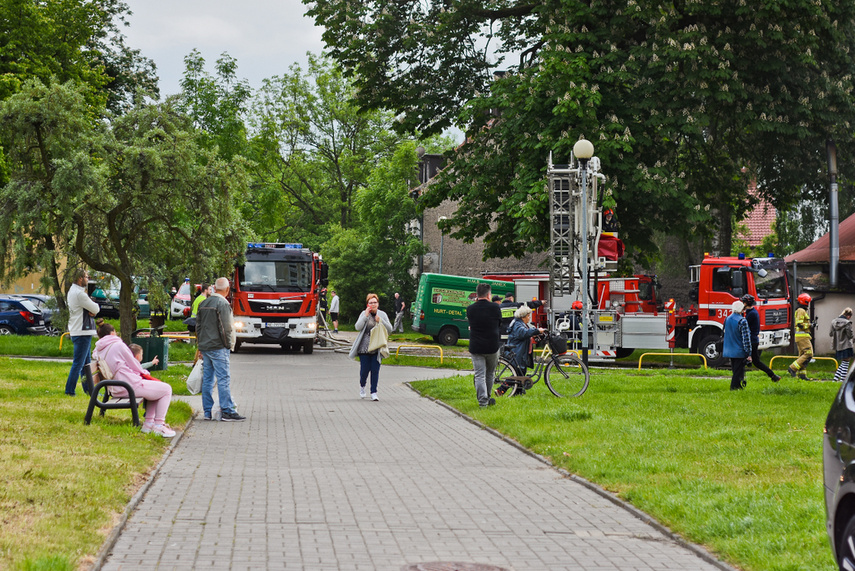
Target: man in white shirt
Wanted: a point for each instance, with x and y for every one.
(334, 310)
(81, 328)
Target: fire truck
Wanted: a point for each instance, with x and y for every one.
(624, 314)
(275, 295)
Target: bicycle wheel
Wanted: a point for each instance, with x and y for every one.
(567, 376)
(503, 371)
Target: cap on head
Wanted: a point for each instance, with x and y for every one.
(737, 306)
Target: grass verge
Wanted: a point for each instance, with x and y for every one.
(737, 472)
(64, 483)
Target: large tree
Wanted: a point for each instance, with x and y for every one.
(124, 196)
(685, 102)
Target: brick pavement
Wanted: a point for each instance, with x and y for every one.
(318, 479)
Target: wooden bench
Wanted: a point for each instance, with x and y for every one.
(129, 402)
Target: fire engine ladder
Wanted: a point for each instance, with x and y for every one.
(564, 195)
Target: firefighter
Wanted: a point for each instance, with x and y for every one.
(802, 324)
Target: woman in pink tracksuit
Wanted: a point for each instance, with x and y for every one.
(122, 366)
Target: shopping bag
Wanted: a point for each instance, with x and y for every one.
(194, 380)
(379, 339)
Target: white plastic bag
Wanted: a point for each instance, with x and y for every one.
(194, 380)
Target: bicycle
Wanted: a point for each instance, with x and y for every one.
(564, 373)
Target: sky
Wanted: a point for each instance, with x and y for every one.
(264, 36)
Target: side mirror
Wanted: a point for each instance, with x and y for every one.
(325, 271)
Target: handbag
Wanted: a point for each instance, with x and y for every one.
(379, 340)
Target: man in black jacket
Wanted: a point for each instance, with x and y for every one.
(752, 316)
(484, 318)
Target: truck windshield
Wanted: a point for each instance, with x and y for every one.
(774, 283)
(276, 276)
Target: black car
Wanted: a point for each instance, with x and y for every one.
(43, 303)
(20, 317)
(838, 460)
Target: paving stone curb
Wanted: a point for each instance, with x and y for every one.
(697, 550)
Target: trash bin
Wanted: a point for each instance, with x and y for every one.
(154, 347)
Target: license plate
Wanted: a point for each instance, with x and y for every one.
(276, 325)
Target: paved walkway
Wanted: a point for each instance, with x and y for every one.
(318, 479)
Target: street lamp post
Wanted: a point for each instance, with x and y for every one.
(420, 152)
(441, 240)
(834, 215)
(583, 150)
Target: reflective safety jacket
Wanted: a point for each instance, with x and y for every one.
(802, 323)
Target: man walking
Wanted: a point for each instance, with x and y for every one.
(400, 306)
(215, 337)
(737, 344)
(334, 310)
(81, 328)
(752, 316)
(484, 318)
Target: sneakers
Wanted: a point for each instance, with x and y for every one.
(207, 416)
(775, 378)
(232, 417)
(374, 397)
(362, 392)
(335, 330)
(160, 429)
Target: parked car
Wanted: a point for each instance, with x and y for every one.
(182, 300)
(43, 303)
(20, 317)
(106, 295)
(838, 461)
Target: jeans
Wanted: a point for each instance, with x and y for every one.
(369, 363)
(82, 357)
(216, 362)
(485, 369)
(399, 322)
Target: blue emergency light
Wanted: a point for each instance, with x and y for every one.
(274, 245)
(741, 255)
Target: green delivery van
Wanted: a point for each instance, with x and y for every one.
(441, 303)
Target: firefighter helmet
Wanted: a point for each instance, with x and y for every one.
(577, 305)
(804, 299)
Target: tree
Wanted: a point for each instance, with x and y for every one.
(677, 98)
(122, 196)
(313, 149)
(162, 192)
(51, 139)
(72, 40)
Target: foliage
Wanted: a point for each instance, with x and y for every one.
(73, 40)
(120, 196)
(677, 98)
(65, 483)
(733, 472)
(314, 150)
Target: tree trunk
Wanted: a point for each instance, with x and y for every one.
(724, 236)
(127, 317)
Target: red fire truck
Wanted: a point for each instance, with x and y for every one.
(629, 313)
(275, 295)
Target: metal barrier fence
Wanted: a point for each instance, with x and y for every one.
(772, 360)
(397, 351)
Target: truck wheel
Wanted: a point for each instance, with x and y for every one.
(710, 347)
(448, 336)
(623, 352)
(309, 346)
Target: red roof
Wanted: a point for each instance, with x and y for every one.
(819, 250)
(759, 221)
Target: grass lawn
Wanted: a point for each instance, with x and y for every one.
(65, 483)
(738, 472)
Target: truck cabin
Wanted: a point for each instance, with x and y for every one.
(764, 278)
(276, 268)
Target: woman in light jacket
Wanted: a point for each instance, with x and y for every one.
(123, 366)
(841, 335)
(369, 362)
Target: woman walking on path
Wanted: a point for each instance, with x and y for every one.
(369, 362)
(841, 334)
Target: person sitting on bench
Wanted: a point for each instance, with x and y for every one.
(520, 333)
(113, 355)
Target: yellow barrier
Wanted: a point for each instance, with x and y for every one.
(772, 360)
(60, 339)
(178, 336)
(421, 347)
(673, 355)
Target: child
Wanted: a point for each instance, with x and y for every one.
(138, 353)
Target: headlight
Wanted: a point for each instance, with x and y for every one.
(239, 325)
(311, 326)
